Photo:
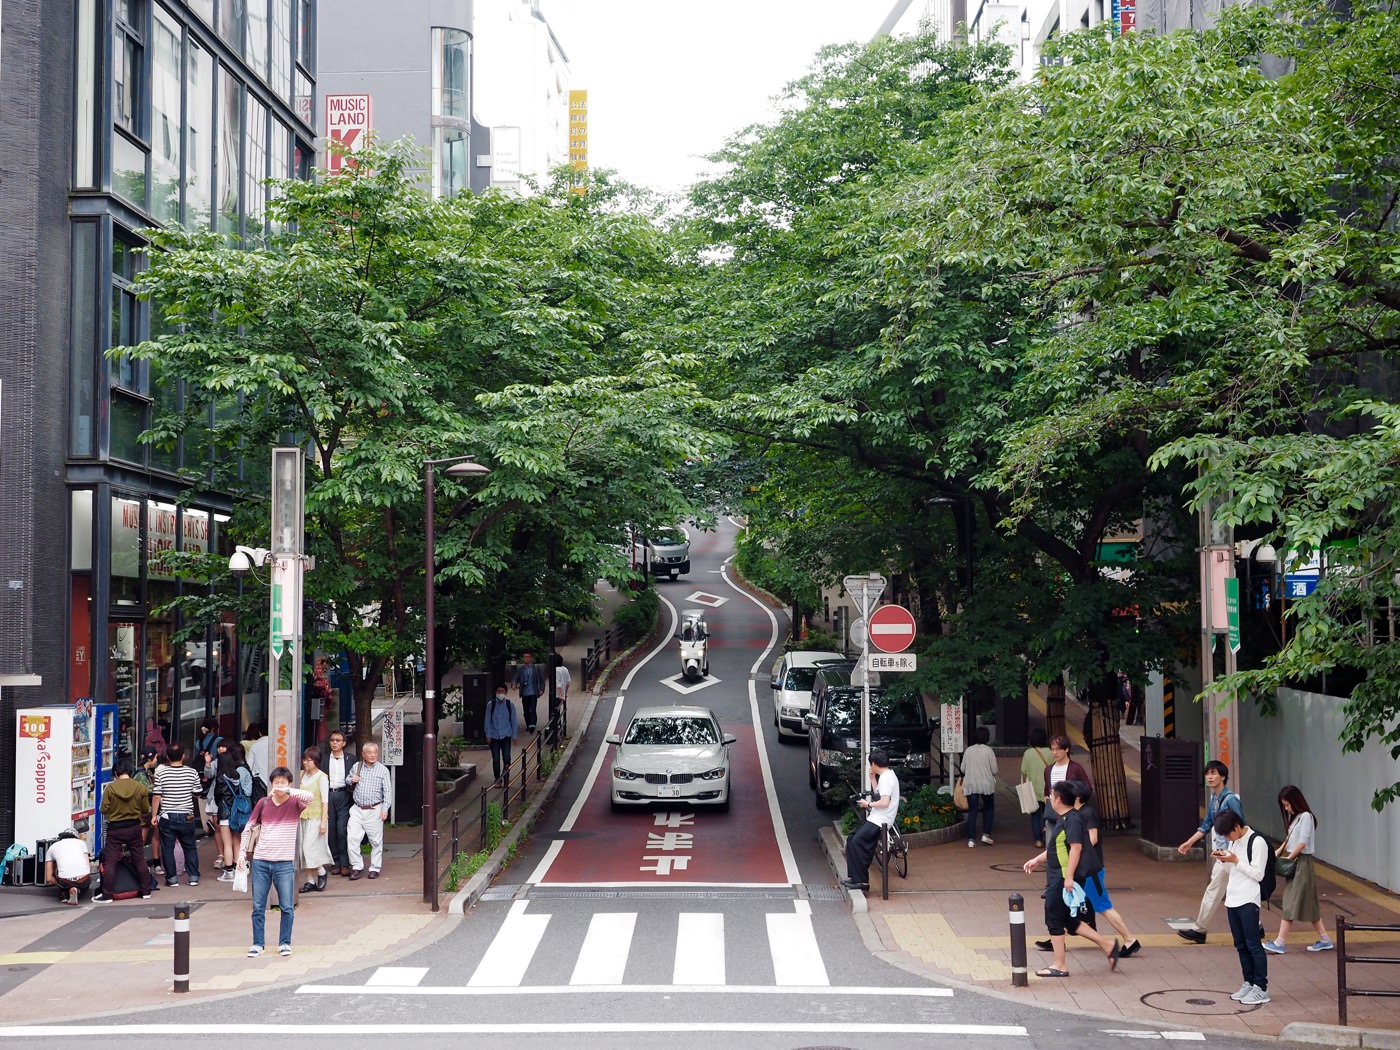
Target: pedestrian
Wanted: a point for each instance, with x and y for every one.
(1245, 858)
(1067, 864)
(259, 757)
(232, 779)
(501, 730)
(1095, 886)
(276, 820)
(145, 776)
(979, 772)
(313, 847)
(126, 806)
(1300, 896)
(373, 795)
(1220, 798)
(172, 809)
(881, 808)
(338, 765)
(529, 681)
(1061, 767)
(1034, 761)
(206, 759)
(68, 866)
(562, 681)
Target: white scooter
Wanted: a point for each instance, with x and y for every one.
(695, 659)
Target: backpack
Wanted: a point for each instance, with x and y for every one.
(1269, 882)
(241, 807)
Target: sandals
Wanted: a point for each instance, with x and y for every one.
(1051, 971)
(1114, 954)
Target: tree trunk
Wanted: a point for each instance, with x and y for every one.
(1106, 752)
(1055, 708)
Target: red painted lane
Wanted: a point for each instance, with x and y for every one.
(704, 846)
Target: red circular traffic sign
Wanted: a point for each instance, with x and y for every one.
(891, 628)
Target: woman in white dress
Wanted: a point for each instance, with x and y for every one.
(313, 849)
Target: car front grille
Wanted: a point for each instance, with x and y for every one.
(675, 778)
(681, 778)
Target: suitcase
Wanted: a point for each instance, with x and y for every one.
(123, 885)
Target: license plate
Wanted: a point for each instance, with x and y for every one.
(669, 792)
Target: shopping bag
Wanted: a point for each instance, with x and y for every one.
(1025, 794)
(959, 795)
(240, 880)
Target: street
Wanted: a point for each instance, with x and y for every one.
(638, 928)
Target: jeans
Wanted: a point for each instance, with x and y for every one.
(531, 705)
(282, 874)
(500, 755)
(1038, 824)
(179, 826)
(1244, 928)
(987, 806)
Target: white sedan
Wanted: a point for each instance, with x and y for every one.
(671, 754)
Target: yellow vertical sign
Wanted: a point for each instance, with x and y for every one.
(578, 139)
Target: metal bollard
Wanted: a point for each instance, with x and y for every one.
(1016, 913)
(182, 947)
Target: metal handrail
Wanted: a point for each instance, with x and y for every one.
(1343, 989)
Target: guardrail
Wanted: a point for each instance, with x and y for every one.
(1343, 989)
(599, 655)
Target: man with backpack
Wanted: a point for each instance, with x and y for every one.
(1248, 862)
(1221, 798)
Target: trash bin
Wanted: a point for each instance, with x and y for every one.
(1171, 789)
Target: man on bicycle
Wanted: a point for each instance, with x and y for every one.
(880, 810)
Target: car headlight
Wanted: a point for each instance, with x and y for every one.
(918, 761)
(712, 774)
(625, 774)
(792, 712)
(828, 757)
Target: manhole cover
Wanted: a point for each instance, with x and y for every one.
(1014, 868)
(1194, 1001)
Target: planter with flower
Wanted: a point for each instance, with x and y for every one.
(926, 818)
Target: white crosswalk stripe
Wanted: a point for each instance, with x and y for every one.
(603, 957)
(506, 960)
(699, 948)
(797, 960)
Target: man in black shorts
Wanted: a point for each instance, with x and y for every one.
(1065, 845)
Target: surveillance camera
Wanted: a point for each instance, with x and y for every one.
(240, 563)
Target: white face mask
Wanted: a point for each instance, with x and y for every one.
(500, 696)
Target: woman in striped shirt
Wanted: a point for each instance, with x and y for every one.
(274, 856)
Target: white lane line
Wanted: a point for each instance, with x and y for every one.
(775, 813)
(604, 955)
(504, 963)
(598, 761)
(1137, 1033)
(699, 948)
(543, 866)
(865, 1026)
(792, 942)
(397, 977)
(631, 989)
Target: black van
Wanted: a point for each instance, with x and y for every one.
(897, 724)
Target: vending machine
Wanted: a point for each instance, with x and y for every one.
(64, 755)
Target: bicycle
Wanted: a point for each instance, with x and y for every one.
(891, 844)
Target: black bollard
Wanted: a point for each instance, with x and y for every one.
(182, 947)
(1016, 908)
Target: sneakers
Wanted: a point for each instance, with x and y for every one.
(101, 898)
(146, 896)
(194, 882)
(227, 876)
(73, 899)
(1273, 947)
(971, 844)
(284, 950)
(1256, 996)
(255, 951)
(987, 840)
(1321, 946)
(1244, 990)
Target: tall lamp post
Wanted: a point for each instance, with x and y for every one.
(461, 466)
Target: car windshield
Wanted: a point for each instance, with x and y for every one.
(682, 729)
(843, 711)
(800, 678)
(666, 538)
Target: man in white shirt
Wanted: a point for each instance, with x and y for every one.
(68, 866)
(1246, 857)
(258, 760)
(880, 810)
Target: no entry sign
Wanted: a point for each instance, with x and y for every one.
(891, 628)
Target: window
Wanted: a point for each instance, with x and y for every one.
(232, 15)
(126, 66)
(255, 167)
(451, 111)
(230, 171)
(450, 169)
(82, 338)
(256, 38)
(166, 129)
(454, 75)
(199, 136)
(279, 76)
(306, 34)
(125, 330)
(85, 97)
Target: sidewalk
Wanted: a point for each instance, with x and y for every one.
(949, 921)
(123, 952)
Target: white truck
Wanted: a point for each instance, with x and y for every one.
(666, 552)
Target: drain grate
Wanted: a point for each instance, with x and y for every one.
(776, 893)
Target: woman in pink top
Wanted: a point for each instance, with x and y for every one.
(274, 857)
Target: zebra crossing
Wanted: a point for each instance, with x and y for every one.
(762, 951)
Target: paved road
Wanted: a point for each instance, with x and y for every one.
(649, 928)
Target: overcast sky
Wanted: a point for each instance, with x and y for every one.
(668, 80)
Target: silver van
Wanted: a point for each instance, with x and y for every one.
(793, 676)
(667, 551)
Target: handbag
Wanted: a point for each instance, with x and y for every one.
(959, 795)
(1025, 794)
(1286, 867)
(240, 880)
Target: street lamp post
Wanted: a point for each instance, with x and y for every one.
(461, 466)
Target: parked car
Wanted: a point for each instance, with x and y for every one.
(898, 724)
(793, 677)
(666, 551)
(671, 754)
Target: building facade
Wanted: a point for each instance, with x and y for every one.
(117, 116)
(480, 85)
